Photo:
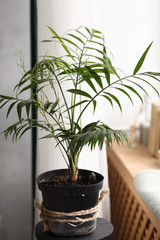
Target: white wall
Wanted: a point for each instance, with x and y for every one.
(129, 27)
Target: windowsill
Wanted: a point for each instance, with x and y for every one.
(131, 216)
(135, 158)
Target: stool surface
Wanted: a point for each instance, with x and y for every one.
(103, 231)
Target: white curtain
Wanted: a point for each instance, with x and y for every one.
(129, 26)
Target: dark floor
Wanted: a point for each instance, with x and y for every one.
(15, 159)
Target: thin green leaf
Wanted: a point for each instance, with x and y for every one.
(106, 63)
(94, 49)
(80, 92)
(4, 103)
(150, 83)
(69, 41)
(11, 129)
(7, 97)
(151, 76)
(54, 105)
(139, 86)
(107, 74)
(153, 73)
(108, 98)
(141, 60)
(97, 31)
(90, 126)
(1, 100)
(134, 91)
(95, 76)
(19, 111)
(96, 36)
(22, 81)
(87, 29)
(77, 104)
(95, 42)
(30, 86)
(81, 33)
(40, 88)
(40, 81)
(77, 38)
(86, 78)
(94, 105)
(10, 108)
(48, 136)
(62, 43)
(28, 105)
(25, 130)
(18, 130)
(47, 41)
(47, 105)
(123, 91)
(115, 99)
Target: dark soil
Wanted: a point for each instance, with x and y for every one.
(65, 180)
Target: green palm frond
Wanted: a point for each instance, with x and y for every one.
(96, 134)
(87, 70)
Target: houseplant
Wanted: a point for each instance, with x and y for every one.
(87, 69)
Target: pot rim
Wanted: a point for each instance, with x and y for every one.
(74, 189)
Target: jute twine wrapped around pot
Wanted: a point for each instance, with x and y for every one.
(58, 216)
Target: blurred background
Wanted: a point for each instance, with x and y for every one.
(129, 27)
(15, 159)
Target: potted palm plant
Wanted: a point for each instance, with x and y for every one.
(70, 195)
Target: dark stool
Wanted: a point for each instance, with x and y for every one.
(103, 231)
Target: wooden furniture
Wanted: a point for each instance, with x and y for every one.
(131, 218)
(103, 231)
(154, 132)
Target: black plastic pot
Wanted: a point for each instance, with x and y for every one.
(70, 199)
